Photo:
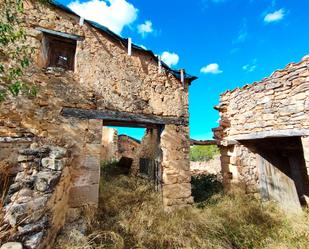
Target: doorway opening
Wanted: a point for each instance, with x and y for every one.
(282, 170)
(134, 151)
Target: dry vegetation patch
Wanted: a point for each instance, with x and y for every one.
(131, 216)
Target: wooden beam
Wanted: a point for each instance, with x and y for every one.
(203, 142)
(61, 34)
(116, 118)
(128, 124)
(270, 134)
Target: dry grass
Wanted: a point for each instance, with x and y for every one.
(4, 185)
(131, 216)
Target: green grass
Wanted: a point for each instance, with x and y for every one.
(131, 216)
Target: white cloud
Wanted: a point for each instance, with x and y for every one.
(171, 59)
(145, 28)
(250, 67)
(212, 68)
(275, 16)
(114, 14)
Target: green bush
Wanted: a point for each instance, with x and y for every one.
(203, 153)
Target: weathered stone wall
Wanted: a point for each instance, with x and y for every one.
(278, 106)
(212, 167)
(149, 148)
(109, 144)
(238, 165)
(115, 81)
(278, 103)
(106, 78)
(175, 145)
(127, 146)
(35, 201)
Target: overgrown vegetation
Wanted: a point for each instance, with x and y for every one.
(14, 52)
(203, 153)
(204, 187)
(4, 185)
(131, 216)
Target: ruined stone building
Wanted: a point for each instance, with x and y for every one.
(263, 136)
(86, 80)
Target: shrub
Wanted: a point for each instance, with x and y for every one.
(203, 153)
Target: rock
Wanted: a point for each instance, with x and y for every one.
(12, 245)
(24, 213)
(14, 188)
(39, 152)
(34, 241)
(53, 163)
(22, 196)
(24, 158)
(33, 227)
(45, 180)
(57, 152)
(15, 213)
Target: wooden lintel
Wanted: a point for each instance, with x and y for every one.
(270, 134)
(62, 34)
(129, 124)
(203, 142)
(116, 118)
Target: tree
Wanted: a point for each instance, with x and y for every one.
(203, 152)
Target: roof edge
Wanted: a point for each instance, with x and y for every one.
(176, 73)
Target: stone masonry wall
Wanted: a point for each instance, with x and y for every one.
(115, 81)
(238, 166)
(35, 201)
(148, 148)
(106, 78)
(175, 145)
(127, 146)
(109, 148)
(277, 106)
(279, 102)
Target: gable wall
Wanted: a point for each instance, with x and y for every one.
(115, 80)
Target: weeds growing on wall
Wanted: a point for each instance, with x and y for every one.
(14, 53)
(131, 216)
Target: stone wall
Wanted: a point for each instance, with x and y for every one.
(238, 165)
(127, 146)
(149, 148)
(109, 144)
(212, 167)
(175, 145)
(114, 80)
(276, 107)
(104, 78)
(35, 201)
(278, 103)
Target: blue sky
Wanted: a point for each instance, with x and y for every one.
(226, 43)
